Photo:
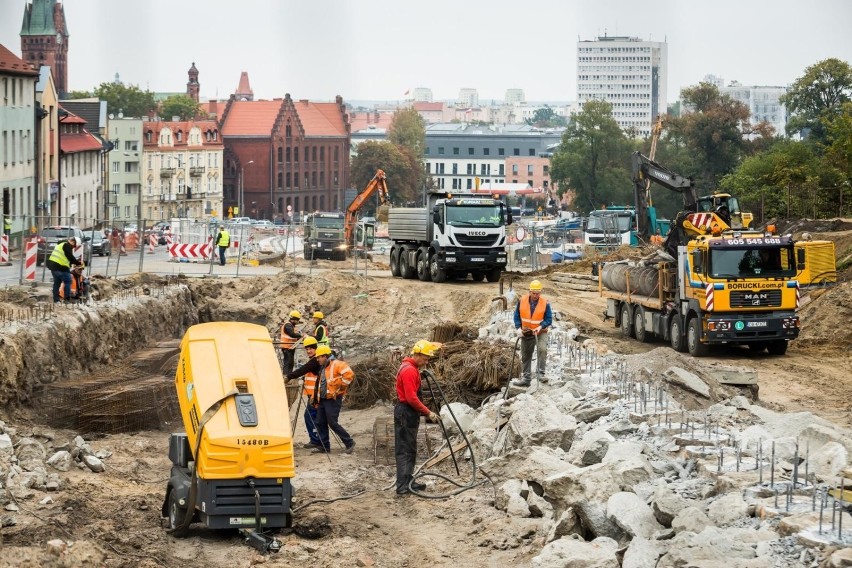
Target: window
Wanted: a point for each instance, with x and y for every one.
(486, 151)
(280, 154)
(280, 179)
(313, 178)
(455, 171)
(546, 170)
(516, 152)
(314, 154)
(115, 167)
(426, 151)
(482, 169)
(428, 168)
(470, 183)
(501, 151)
(529, 169)
(287, 153)
(287, 180)
(515, 169)
(131, 167)
(295, 154)
(532, 151)
(470, 169)
(322, 153)
(440, 150)
(470, 151)
(336, 150)
(502, 170)
(116, 187)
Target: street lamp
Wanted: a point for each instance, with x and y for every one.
(241, 195)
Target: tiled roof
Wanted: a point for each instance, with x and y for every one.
(82, 142)
(14, 65)
(183, 126)
(364, 120)
(251, 118)
(320, 119)
(423, 106)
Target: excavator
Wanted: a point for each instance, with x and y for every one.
(362, 233)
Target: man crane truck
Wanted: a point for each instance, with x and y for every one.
(451, 236)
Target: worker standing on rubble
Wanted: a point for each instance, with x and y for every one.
(320, 329)
(289, 338)
(59, 264)
(407, 412)
(309, 370)
(333, 381)
(533, 317)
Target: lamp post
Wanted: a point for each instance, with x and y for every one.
(242, 188)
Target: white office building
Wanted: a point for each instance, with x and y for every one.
(627, 72)
(515, 96)
(763, 103)
(468, 98)
(422, 95)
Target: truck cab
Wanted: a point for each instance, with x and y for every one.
(324, 236)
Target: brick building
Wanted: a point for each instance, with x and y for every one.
(44, 39)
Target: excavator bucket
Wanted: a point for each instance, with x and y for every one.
(382, 213)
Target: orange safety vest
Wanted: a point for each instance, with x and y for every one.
(310, 384)
(338, 376)
(530, 319)
(287, 342)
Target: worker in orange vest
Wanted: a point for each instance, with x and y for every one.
(289, 338)
(333, 381)
(533, 317)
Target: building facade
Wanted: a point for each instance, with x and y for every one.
(422, 95)
(182, 170)
(514, 96)
(124, 189)
(47, 147)
(763, 102)
(44, 39)
(81, 172)
(468, 98)
(627, 72)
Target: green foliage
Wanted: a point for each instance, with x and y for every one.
(593, 159)
(129, 100)
(79, 95)
(182, 106)
(816, 97)
(408, 129)
(546, 117)
(403, 170)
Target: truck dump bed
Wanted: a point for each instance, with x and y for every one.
(409, 224)
(249, 436)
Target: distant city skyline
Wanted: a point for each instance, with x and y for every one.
(376, 50)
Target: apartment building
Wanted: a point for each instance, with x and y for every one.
(124, 194)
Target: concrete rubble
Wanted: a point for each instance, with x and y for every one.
(638, 471)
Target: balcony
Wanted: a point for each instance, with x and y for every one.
(168, 197)
(196, 171)
(167, 172)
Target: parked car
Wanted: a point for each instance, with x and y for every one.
(50, 236)
(263, 224)
(101, 245)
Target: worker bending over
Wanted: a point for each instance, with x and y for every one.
(533, 317)
(289, 339)
(333, 381)
(309, 370)
(406, 414)
(59, 264)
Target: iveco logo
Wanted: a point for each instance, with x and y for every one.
(477, 233)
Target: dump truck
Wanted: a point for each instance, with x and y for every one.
(232, 466)
(452, 236)
(325, 236)
(731, 287)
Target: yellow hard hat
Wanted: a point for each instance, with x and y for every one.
(323, 350)
(424, 347)
(318, 315)
(310, 342)
(535, 286)
(295, 314)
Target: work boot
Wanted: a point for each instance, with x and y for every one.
(542, 379)
(351, 447)
(319, 450)
(310, 446)
(418, 486)
(522, 382)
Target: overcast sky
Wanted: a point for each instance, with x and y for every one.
(378, 49)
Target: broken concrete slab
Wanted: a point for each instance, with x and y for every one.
(687, 380)
(727, 509)
(632, 514)
(667, 505)
(644, 553)
(691, 519)
(532, 463)
(730, 375)
(591, 448)
(574, 552)
(594, 521)
(567, 523)
(830, 459)
(537, 422)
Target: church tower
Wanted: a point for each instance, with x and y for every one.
(244, 92)
(44, 39)
(193, 86)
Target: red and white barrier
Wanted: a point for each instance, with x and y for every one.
(152, 242)
(4, 249)
(191, 252)
(30, 252)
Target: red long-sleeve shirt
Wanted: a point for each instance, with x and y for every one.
(407, 385)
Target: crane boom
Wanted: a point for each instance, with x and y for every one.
(378, 183)
(645, 171)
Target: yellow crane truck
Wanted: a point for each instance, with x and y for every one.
(232, 466)
(723, 287)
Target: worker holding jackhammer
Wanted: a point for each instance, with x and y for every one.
(309, 370)
(533, 317)
(333, 382)
(406, 414)
(289, 338)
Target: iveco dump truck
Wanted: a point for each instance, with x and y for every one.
(736, 287)
(233, 465)
(453, 236)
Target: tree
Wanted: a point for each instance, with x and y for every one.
(546, 117)
(402, 169)
(817, 96)
(181, 106)
(408, 129)
(593, 159)
(129, 100)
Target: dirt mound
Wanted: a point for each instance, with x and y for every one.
(825, 320)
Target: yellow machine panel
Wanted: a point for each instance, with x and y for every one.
(816, 263)
(216, 359)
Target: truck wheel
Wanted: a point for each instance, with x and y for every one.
(777, 347)
(493, 275)
(394, 262)
(477, 275)
(405, 268)
(639, 325)
(676, 334)
(693, 338)
(626, 322)
(423, 265)
(437, 273)
(756, 346)
(177, 515)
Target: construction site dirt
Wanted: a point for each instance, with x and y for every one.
(113, 517)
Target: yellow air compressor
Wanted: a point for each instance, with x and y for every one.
(232, 468)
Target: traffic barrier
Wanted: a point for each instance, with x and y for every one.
(30, 252)
(190, 252)
(152, 242)
(4, 250)
(132, 241)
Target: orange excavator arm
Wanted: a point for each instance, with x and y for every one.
(378, 183)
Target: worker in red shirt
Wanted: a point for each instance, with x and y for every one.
(407, 412)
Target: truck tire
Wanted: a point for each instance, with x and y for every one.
(757, 346)
(777, 346)
(493, 275)
(394, 262)
(423, 271)
(676, 334)
(627, 329)
(693, 338)
(639, 325)
(437, 273)
(477, 275)
(177, 515)
(405, 268)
